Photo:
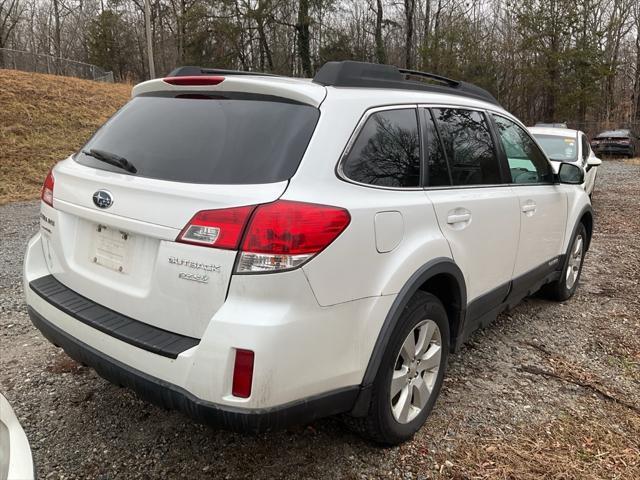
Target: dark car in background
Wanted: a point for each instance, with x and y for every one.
(621, 142)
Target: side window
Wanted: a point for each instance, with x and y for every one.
(387, 150)
(526, 162)
(470, 151)
(437, 169)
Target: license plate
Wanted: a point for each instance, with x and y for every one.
(112, 248)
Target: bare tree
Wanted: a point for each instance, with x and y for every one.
(409, 13)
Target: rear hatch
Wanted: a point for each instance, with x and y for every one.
(191, 151)
(615, 138)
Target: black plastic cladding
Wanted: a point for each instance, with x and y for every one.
(133, 332)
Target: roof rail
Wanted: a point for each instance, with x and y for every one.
(372, 75)
(190, 71)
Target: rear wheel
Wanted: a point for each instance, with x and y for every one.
(411, 372)
(564, 288)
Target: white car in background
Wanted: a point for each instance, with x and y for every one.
(567, 145)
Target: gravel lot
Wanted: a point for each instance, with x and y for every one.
(549, 390)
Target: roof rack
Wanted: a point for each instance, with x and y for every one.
(372, 75)
(190, 71)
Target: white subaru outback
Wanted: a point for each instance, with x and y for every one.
(258, 251)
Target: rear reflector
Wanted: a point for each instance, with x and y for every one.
(217, 228)
(242, 373)
(47, 189)
(283, 235)
(194, 80)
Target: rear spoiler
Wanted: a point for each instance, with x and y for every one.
(196, 79)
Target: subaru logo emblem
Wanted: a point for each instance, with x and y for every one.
(102, 199)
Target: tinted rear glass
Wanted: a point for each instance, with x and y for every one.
(235, 139)
(387, 150)
(614, 133)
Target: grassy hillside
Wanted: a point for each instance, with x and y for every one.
(43, 119)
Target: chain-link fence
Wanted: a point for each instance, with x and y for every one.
(42, 63)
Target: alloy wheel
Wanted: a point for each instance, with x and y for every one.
(415, 371)
(575, 260)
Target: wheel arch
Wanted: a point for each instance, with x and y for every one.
(440, 277)
(586, 218)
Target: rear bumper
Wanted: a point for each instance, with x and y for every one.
(613, 150)
(172, 397)
(309, 359)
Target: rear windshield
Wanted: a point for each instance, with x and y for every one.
(615, 133)
(558, 148)
(195, 138)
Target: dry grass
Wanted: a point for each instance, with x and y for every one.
(43, 119)
(587, 446)
(633, 161)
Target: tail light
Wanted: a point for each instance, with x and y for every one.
(47, 189)
(272, 237)
(242, 373)
(216, 228)
(194, 81)
(283, 235)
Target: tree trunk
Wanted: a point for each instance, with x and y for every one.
(636, 85)
(147, 22)
(57, 50)
(381, 56)
(409, 12)
(265, 50)
(265, 45)
(302, 27)
(426, 33)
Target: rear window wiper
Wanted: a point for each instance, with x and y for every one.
(111, 159)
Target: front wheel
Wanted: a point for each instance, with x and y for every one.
(564, 288)
(411, 372)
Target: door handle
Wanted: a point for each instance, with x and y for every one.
(529, 207)
(458, 218)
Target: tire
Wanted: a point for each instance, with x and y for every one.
(564, 288)
(385, 424)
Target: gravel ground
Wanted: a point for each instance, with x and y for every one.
(548, 390)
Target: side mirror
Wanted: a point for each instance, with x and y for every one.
(593, 161)
(571, 174)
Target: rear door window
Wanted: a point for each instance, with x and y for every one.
(210, 139)
(469, 147)
(387, 150)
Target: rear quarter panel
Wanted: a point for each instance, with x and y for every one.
(352, 267)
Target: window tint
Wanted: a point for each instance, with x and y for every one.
(468, 145)
(437, 170)
(196, 138)
(387, 150)
(526, 162)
